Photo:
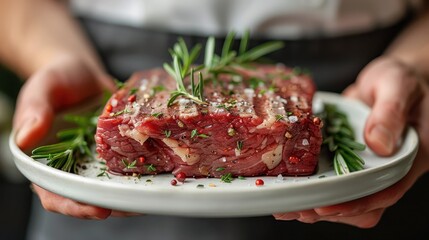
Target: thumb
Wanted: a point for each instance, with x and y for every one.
(51, 90)
(393, 97)
(33, 116)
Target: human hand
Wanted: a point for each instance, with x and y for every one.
(63, 82)
(398, 96)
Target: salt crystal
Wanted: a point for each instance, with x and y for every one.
(114, 102)
(143, 84)
(184, 101)
(237, 152)
(279, 178)
(282, 100)
(249, 92)
(305, 142)
(293, 119)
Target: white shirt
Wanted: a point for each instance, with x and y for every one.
(271, 18)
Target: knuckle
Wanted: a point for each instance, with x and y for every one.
(308, 217)
(47, 206)
(394, 110)
(393, 106)
(308, 220)
(371, 221)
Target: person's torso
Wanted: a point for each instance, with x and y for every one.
(287, 19)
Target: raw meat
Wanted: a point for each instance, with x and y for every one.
(257, 122)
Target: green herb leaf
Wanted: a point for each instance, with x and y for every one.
(167, 133)
(231, 132)
(279, 117)
(209, 54)
(150, 167)
(157, 89)
(339, 137)
(194, 133)
(157, 115)
(118, 84)
(133, 91)
(118, 113)
(103, 173)
(226, 50)
(259, 51)
(181, 67)
(227, 178)
(243, 42)
(239, 145)
(129, 165)
(73, 144)
(202, 135)
(255, 82)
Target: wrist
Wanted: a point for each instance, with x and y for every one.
(39, 32)
(49, 58)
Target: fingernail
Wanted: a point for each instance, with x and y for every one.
(288, 216)
(95, 218)
(326, 212)
(24, 130)
(383, 136)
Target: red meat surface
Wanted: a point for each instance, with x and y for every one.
(257, 122)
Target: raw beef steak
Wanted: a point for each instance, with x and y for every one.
(256, 122)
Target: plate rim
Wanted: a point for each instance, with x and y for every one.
(23, 158)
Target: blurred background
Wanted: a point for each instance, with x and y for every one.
(15, 194)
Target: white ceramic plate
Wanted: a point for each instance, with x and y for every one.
(155, 194)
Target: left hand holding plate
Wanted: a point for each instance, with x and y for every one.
(58, 85)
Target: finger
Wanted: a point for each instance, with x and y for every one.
(116, 213)
(307, 216)
(33, 116)
(382, 199)
(351, 91)
(390, 88)
(44, 94)
(366, 220)
(393, 97)
(354, 91)
(107, 82)
(286, 216)
(55, 203)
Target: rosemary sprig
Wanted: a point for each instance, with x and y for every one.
(196, 93)
(72, 144)
(181, 68)
(339, 137)
(214, 64)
